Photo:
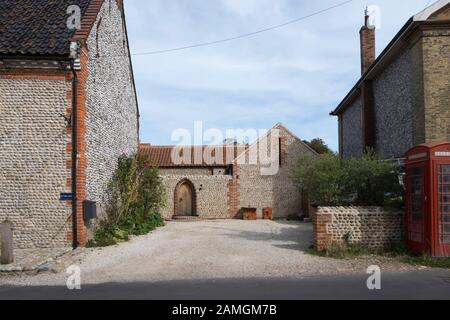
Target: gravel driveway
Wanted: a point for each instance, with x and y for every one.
(211, 250)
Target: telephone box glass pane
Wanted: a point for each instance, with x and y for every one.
(417, 195)
(416, 209)
(444, 203)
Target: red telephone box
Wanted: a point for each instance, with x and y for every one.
(428, 199)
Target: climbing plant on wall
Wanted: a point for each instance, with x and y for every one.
(135, 198)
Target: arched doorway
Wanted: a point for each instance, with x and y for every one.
(185, 199)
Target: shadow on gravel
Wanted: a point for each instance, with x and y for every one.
(415, 285)
(298, 236)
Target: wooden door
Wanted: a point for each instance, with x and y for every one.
(184, 200)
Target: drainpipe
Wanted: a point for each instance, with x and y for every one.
(73, 55)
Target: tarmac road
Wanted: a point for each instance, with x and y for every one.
(417, 285)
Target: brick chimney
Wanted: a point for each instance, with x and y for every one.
(367, 34)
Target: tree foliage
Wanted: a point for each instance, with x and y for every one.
(333, 181)
(372, 181)
(319, 146)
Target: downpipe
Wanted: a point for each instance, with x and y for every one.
(74, 156)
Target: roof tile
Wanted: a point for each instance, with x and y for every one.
(200, 156)
(36, 27)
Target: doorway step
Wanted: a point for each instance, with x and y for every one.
(186, 218)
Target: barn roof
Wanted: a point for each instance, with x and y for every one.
(193, 156)
(163, 156)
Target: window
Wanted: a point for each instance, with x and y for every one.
(417, 205)
(281, 152)
(444, 202)
(417, 195)
(229, 170)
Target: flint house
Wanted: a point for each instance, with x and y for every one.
(47, 71)
(403, 97)
(231, 177)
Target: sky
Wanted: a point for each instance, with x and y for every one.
(294, 75)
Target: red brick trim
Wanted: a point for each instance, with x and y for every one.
(322, 239)
(233, 193)
(88, 21)
(81, 145)
(35, 74)
(62, 75)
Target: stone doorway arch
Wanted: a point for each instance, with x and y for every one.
(185, 199)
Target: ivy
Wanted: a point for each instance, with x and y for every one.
(136, 194)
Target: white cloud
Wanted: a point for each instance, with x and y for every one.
(296, 74)
(249, 7)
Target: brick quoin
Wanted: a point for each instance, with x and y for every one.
(372, 227)
(81, 37)
(233, 193)
(60, 75)
(81, 147)
(322, 239)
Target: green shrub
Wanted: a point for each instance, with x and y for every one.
(371, 180)
(136, 189)
(136, 195)
(141, 225)
(323, 178)
(333, 181)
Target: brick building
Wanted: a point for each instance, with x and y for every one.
(402, 98)
(48, 70)
(215, 182)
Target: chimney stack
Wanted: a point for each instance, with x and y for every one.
(367, 34)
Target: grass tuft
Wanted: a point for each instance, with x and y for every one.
(342, 251)
(402, 253)
(427, 261)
